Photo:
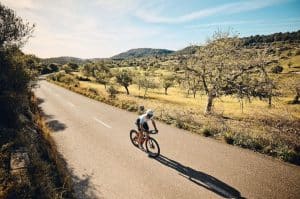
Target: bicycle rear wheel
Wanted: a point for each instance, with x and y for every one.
(152, 147)
(134, 137)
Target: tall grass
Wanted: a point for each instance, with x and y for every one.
(270, 131)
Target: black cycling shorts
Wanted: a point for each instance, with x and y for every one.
(145, 125)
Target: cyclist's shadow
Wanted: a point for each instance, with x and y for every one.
(202, 179)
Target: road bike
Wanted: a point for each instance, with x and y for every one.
(152, 147)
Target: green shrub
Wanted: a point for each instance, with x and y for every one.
(249, 142)
(112, 91)
(205, 131)
(277, 69)
(228, 137)
(287, 154)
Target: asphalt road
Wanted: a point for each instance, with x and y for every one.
(94, 140)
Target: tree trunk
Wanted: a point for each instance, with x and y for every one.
(145, 92)
(194, 93)
(166, 91)
(209, 104)
(127, 91)
(296, 98)
(270, 101)
(105, 86)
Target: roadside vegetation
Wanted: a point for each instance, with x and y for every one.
(243, 91)
(22, 129)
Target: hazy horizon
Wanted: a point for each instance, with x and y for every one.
(101, 29)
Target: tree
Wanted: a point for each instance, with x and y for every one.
(73, 66)
(102, 78)
(225, 67)
(147, 81)
(167, 82)
(15, 74)
(124, 79)
(88, 69)
(67, 68)
(13, 29)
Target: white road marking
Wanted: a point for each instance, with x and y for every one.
(99, 121)
(71, 104)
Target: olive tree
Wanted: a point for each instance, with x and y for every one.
(167, 82)
(225, 67)
(124, 78)
(148, 82)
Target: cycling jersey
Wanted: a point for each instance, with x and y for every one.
(143, 118)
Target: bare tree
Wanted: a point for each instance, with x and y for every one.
(225, 67)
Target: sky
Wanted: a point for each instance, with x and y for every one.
(103, 28)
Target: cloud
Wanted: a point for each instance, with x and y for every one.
(117, 5)
(223, 23)
(287, 22)
(20, 4)
(230, 8)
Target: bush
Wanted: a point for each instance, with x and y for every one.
(277, 69)
(206, 131)
(228, 137)
(287, 154)
(248, 142)
(93, 90)
(112, 91)
(297, 52)
(65, 78)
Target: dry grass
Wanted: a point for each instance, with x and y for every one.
(274, 131)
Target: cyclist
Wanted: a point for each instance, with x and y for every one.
(142, 125)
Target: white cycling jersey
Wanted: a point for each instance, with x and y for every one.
(143, 118)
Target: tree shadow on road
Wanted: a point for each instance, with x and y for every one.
(55, 125)
(201, 179)
(72, 184)
(75, 186)
(84, 188)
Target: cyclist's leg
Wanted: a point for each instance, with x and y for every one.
(145, 130)
(140, 133)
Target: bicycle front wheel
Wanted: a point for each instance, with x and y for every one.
(134, 137)
(152, 147)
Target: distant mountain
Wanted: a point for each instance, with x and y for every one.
(187, 50)
(64, 60)
(290, 37)
(142, 52)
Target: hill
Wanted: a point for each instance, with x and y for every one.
(187, 50)
(63, 60)
(142, 52)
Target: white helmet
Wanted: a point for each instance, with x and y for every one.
(149, 113)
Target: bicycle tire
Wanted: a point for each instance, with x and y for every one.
(152, 143)
(134, 137)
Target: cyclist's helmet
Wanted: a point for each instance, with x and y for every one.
(149, 113)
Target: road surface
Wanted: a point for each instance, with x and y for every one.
(94, 140)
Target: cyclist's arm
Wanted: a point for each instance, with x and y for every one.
(154, 125)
